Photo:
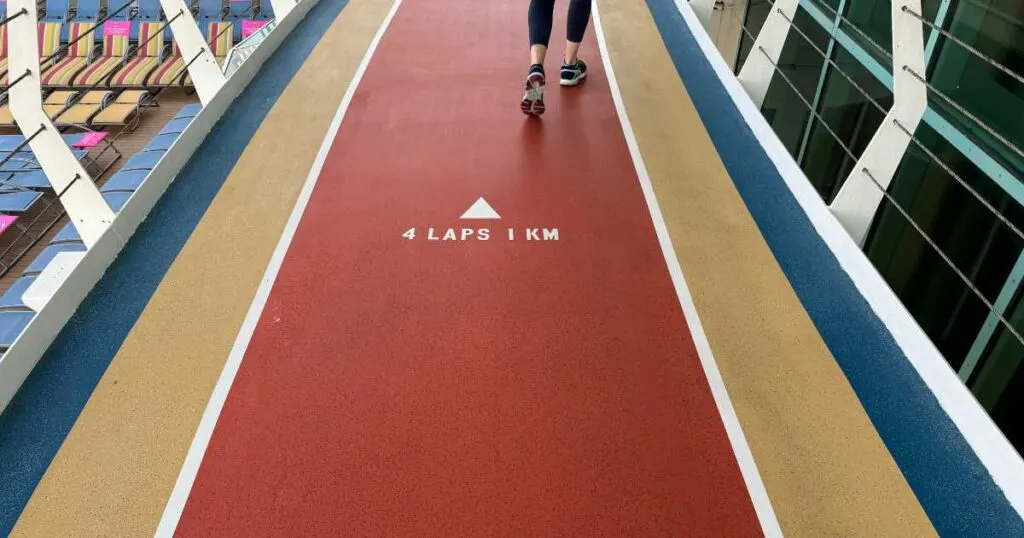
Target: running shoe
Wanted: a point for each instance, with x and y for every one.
(573, 74)
(533, 100)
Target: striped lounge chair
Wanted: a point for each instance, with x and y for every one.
(49, 41)
(169, 72)
(63, 73)
(115, 48)
(135, 73)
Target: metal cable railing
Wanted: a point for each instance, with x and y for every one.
(968, 48)
(18, 245)
(945, 167)
(917, 143)
(10, 18)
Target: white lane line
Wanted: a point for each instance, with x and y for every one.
(745, 458)
(183, 486)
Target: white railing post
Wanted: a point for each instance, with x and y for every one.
(757, 71)
(703, 9)
(81, 199)
(859, 197)
(206, 75)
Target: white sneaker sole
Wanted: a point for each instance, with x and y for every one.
(575, 82)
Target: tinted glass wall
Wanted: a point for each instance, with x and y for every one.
(955, 263)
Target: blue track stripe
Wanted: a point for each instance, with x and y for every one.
(954, 488)
(42, 413)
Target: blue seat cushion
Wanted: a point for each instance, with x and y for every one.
(189, 111)
(12, 298)
(116, 199)
(33, 179)
(18, 201)
(46, 256)
(176, 126)
(144, 160)
(125, 181)
(10, 142)
(11, 325)
(66, 234)
(161, 142)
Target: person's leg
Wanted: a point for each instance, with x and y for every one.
(573, 69)
(576, 27)
(541, 15)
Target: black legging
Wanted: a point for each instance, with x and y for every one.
(542, 12)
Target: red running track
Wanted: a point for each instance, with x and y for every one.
(399, 386)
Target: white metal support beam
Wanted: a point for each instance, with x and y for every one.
(757, 71)
(206, 75)
(703, 9)
(283, 7)
(859, 197)
(81, 199)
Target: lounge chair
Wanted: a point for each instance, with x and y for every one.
(57, 102)
(78, 53)
(49, 41)
(126, 110)
(88, 106)
(11, 326)
(170, 72)
(12, 298)
(115, 49)
(146, 60)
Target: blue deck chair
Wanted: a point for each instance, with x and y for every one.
(239, 11)
(12, 298)
(11, 325)
(188, 111)
(67, 234)
(56, 11)
(149, 10)
(176, 126)
(48, 254)
(210, 11)
(116, 200)
(10, 142)
(88, 10)
(266, 10)
(31, 179)
(18, 201)
(125, 181)
(144, 160)
(161, 142)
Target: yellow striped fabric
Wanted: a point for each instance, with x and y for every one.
(49, 38)
(220, 39)
(135, 73)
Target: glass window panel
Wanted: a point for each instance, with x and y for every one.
(999, 380)
(847, 111)
(980, 246)
(802, 64)
(757, 12)
(995, 28)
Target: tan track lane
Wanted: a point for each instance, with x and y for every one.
(115, 471)
(824, 466)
